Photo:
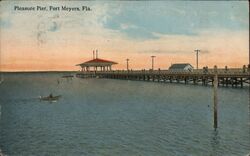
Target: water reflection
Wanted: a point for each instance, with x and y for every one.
(215, 142)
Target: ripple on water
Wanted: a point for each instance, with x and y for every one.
(111, 117)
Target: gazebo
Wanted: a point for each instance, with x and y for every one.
(103, 65)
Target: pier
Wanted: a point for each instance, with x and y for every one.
(235, 77)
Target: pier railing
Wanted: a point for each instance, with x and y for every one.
(231, 71)
(233, 76)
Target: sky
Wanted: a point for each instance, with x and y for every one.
(170, 30)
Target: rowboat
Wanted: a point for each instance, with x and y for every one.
(50, 98)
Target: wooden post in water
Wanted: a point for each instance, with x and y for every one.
(215, 97)
(241, 82)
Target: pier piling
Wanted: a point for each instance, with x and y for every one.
(215, 86)
(233, 77)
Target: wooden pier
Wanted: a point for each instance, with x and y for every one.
(237, 77)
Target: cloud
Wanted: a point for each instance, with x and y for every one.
(127, 26)
(57, 37)
(173, 51)
(5, 20)
(162, 51)
(5, 23)
(175, 18)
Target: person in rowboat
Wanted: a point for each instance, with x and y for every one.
(50, 95)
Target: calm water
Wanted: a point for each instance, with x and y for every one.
(118, 117)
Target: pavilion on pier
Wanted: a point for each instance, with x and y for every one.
(97, 65)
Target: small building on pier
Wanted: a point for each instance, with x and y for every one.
(97, 65)
(179, 67)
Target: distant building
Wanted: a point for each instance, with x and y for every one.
(181, 67)
(96, 64)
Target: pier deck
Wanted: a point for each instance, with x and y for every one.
(231, 77)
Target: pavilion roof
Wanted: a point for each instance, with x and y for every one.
(97, 61)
